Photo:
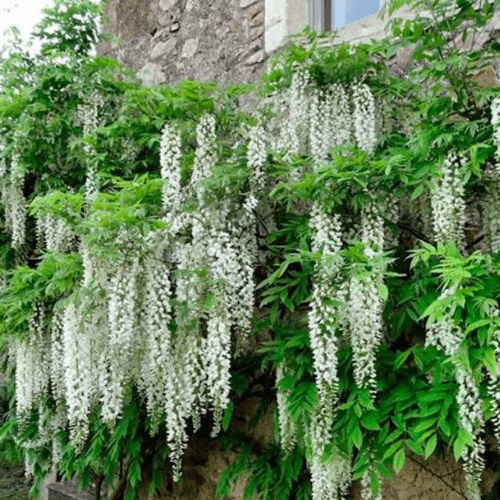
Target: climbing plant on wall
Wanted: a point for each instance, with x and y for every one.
(355, 210)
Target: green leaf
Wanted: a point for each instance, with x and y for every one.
(466, 437)
(458, 448)
(445, 427)
(357, 437)
(424, 425)
(430, 446)
(490, 361)
(383, 292)
(392, 449)
(374, 482)
(477, 324)
(369, 420)
(399, 460)
(402, 357)
(394, 435)
(227, 416)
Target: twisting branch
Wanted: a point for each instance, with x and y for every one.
(437, 476)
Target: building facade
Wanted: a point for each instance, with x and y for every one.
(226, 41)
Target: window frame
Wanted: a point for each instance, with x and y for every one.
(328, 15)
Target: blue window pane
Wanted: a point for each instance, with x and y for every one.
(348, 11)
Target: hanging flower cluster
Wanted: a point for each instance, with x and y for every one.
(331, 476)
(15, 204)
(447, 202)
(55, 232)
(323, 315)
(299, 112)
(491, 202)
(494, 383)
(446, 335)
(364, 117)
(98, 350)
(170, 156)
(32, 364)
(88, 115)
(288, 428)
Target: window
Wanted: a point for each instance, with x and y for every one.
(325, 15)
(285, 17)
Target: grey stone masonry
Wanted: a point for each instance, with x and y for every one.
(167, 41)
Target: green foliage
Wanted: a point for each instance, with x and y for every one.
(439, 107)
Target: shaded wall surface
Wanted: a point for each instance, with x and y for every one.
(170, 40)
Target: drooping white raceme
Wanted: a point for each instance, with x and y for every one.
(56, 233)
(391, 239)
(218, 359)
(32, 364)
(495, 121)
(446, 335)
(170, 161)
(288, 429)
(491, 217)
(16, 204)
(87, 115)
(299, 111)
(184, 392)
(372, 230)
(316, 127)
(3, 160)
(366, 489)
(205, 154)
(177, 411)
(57, 424)
(364, 117)
(122, 325)
(447, 202)
(472, 420)
(78, 373)
(364, 311)
(256, 157)
(57, 367)
(156, 316)
(25, 393)
(366, 328)
(224, 275)
(331, 475)
(494, 381)
(322, 316)
(340, 119)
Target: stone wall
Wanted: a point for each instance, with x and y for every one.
(166, 41)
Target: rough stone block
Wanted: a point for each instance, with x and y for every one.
(167, 4)
(190, 48)
(246, 3)
(257, 32)
(235, 25)
(257, 20)
(163, 48)
(152, 74)
(255, 58)
(253, 11)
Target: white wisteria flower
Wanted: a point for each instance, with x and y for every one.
(364, 117)
(288, 428)
(299, 111)
(170, 161)
(447, 201)
(331, 475)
